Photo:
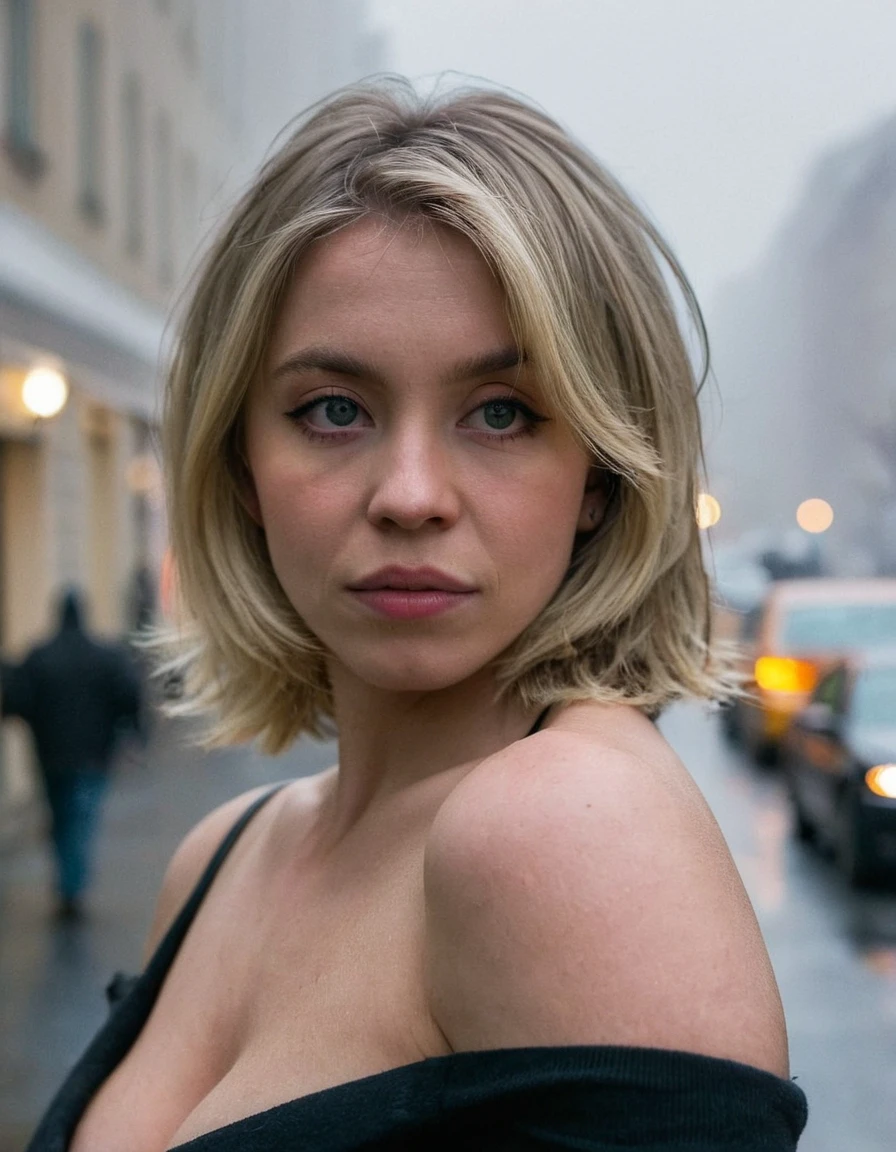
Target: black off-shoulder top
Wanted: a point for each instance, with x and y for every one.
(581, 1098)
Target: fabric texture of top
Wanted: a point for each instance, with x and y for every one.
(583, 1098)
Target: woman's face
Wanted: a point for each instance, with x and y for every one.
(419, 507)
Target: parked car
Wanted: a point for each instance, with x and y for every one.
(840, 765)
(800, 626)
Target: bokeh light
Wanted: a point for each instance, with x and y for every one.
(44, 391)
(709, 510)
(815, 515)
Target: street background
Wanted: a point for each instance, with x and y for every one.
(760, 136)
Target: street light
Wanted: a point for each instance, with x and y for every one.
(709, 510)
(815, 515)
(44, 391)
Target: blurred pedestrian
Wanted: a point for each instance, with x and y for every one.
(77, 695)
(432, 446)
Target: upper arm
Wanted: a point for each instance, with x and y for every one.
(189, 861)
(585, 897)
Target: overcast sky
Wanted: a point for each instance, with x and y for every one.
(710, 111)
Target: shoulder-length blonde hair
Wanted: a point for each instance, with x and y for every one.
(582, 269)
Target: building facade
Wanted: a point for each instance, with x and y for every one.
(126, 128)
(805, 358)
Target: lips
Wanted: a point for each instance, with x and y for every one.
(397, 578)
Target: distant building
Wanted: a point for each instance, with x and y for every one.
(805, 358)
(125, 129)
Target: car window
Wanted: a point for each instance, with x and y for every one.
(838, 627)
(830, 690)
(874, 698)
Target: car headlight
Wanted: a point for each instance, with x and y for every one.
(881, 780)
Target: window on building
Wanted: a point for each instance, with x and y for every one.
(132, 158)
(163, 177)
(90, 120)
(20, 122)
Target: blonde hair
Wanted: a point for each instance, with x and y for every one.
(582, 269)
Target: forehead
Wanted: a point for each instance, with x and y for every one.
(377, 277)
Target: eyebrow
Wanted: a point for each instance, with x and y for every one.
(324, 359)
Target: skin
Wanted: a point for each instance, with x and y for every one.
(454, 884)
(418, 478)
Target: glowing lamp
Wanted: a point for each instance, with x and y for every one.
(709, 510)
(881, 779)
(784, 674)
(44, 391)
(815, 515)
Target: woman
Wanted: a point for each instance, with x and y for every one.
(432, 441)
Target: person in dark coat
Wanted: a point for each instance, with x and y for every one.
(77, 695)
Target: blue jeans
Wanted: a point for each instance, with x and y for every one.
(75, 800)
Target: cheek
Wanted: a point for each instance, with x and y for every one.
(303, 517)
(534, 527)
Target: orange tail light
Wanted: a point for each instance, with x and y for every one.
(784, 674)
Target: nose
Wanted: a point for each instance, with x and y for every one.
(413, 482)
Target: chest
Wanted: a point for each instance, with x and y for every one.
(271, 999)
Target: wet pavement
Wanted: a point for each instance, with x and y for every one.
(834, 951)
(53, 975)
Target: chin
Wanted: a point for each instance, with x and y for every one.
(430, 671)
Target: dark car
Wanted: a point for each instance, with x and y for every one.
(800, 626)
(840, 765)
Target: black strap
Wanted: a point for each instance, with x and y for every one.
(542, 716)
(164, 955)
(154, 974)
(132, 1000)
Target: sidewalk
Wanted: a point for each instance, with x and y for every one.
(52, 975)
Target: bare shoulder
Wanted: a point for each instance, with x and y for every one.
(579, 891)
(190, 859)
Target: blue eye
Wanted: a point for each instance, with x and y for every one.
(498, 414)
(327, 415)
(504, 418)
(340, 411)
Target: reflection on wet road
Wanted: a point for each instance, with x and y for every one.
(834, 950)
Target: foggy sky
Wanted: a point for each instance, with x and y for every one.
(710, 111)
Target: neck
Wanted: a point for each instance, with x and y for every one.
(393, 742)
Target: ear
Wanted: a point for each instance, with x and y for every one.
(599, 489)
